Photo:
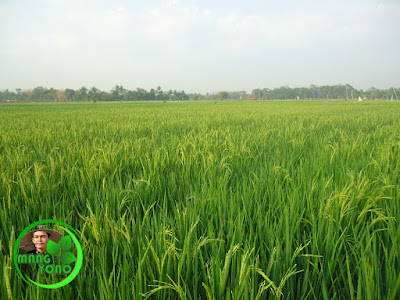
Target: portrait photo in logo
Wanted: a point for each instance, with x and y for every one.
(48, 254)
(35, 241)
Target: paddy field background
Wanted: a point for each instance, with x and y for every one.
(208, 200)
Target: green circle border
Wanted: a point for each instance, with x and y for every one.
(78, 263)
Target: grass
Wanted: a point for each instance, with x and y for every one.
(208, 200)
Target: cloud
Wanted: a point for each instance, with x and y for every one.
(167, 23)
(304, 26)
(109, 24)
(172, 3)
(255, 30)
(54, 41)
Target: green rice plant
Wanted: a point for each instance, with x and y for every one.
(196, 200)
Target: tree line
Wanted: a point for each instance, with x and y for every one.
(326, 92)
(119, 93)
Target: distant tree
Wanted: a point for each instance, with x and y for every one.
(238, 95)
(256, 93)
(61, 96)
(69, 94)
(119, 93)
(159, 93)
(28, 95)
(81, 94)
(223, 95)
(39, 93)
(265, 92)
(94, 94)
(6, 95)
(141, 94)
(19, 95)
(152, 94)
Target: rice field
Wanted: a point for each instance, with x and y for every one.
(208, 200)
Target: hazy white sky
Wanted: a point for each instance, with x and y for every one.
(199, 45)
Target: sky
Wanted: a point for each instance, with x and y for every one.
(199, 45)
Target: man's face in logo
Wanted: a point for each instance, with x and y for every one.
(40, 239)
